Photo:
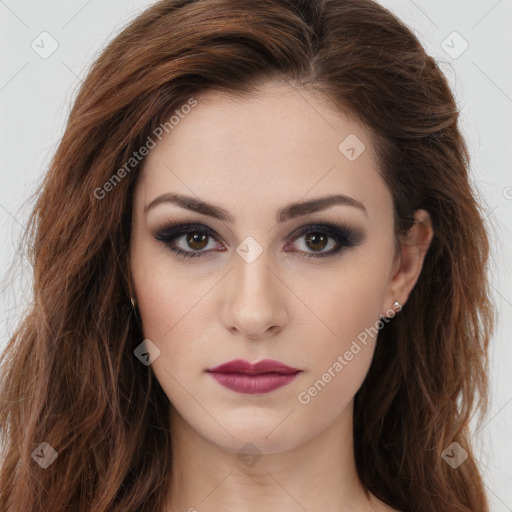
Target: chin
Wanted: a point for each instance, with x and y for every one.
(256, 443)
(260, 431)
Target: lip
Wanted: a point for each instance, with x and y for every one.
(245, 367)
(253, 378)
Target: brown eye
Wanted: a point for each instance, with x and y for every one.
(198, 240)
(313, 240)
(316, 241)
(193, 239)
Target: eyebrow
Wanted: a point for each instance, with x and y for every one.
(288, 212)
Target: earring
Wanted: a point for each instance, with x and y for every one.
(396, 306)
(133, 303)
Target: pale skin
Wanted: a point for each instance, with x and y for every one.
(252, 157)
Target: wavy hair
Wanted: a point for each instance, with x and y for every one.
(69, 375)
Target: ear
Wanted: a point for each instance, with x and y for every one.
(409, 260)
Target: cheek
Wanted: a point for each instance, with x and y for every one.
(338, 364)
(343, 303)
(347, 310)
(171, 320)
(169, 303)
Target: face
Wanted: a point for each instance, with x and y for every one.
(264, 281)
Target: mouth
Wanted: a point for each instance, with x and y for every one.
(258, 378)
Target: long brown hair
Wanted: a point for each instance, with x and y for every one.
(69, 374)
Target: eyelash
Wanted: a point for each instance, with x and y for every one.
(343, 235)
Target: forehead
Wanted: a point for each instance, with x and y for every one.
(284, 144)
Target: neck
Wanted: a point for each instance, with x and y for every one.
(319, 474)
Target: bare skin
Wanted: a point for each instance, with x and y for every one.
(252, 158)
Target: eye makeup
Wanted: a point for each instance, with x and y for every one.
(342, 235)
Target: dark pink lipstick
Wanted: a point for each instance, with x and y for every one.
(261, 377)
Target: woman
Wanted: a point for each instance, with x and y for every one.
(259, 275)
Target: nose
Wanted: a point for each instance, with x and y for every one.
(253, 305)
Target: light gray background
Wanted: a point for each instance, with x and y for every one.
(36, 95)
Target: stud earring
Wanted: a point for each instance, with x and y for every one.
(396, 306)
